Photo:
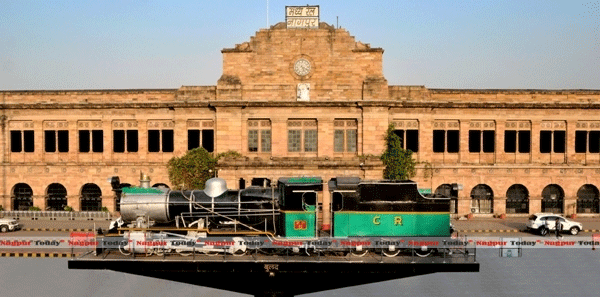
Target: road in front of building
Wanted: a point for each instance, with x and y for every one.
(512, 224)
(478, 226)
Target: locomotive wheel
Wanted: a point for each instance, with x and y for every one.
(184, 253)
(390, 254)
(311, 251)
(423, 253)
(124, 252)
(211, 253)
(359, 253)
(155, 251)
(239, 252)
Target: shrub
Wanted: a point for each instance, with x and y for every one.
(192, 170)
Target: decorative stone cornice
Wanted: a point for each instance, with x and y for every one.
(517, 91)
(244, 104)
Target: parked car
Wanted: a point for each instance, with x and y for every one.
(9, 225)
(544, 222)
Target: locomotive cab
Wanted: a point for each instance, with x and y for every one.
(298, 202)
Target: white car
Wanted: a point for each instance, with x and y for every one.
(544, 222)
(9, 225)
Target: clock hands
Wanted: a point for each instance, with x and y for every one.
(302, 67)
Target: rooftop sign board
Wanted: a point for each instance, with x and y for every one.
(302, 17)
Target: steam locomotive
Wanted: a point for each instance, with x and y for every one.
(286, 214)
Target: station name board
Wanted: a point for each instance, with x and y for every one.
(302, 17)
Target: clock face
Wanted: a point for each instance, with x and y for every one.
(302, 67)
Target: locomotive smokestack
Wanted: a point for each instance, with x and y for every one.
(144, 180)
(115, 183)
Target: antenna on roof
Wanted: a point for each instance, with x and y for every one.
(267, 14)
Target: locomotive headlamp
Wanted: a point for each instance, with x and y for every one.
(115, 183)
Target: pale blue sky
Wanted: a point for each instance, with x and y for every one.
(526, 44)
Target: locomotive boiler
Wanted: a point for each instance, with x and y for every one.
(215, 205)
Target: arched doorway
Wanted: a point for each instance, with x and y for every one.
(91, 198)
(517, 199)
(588, 200)
(553, 198)
(22, 197)
(56, 197)
(446, 190)
(482, 199)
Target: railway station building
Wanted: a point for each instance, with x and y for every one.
(304, 98)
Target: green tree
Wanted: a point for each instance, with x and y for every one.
(191, 170)
(399, 164)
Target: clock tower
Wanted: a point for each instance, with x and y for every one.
(302, 59)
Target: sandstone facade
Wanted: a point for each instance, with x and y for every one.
(530, 138)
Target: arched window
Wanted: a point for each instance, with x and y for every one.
(56, 198)
(446, 190)
(482, 199)
(91, 198)
(553, 198)
(517, 199)
(588, 199)
(22, 197)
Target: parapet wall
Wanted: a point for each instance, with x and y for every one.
(421, 93)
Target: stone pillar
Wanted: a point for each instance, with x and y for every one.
(570, 206)
(6, 202)
(228, 130)
(374, 125)
(326, 200)
(74, 202)
(464, 206)
(535, 204)
(325, 137)
(499, 205)
(39, 201)
(109, 202)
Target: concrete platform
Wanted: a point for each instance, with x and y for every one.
(265, 275)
